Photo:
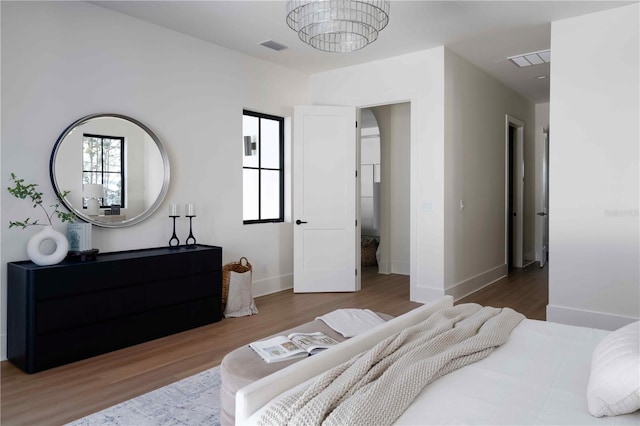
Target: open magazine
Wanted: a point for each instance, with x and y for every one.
(295, 345)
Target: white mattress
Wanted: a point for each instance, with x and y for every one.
(539, 377)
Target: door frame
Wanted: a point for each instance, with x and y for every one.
(543, 213)
(518, 189)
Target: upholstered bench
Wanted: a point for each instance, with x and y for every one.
(243, 366)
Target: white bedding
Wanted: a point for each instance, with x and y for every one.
(539, 377)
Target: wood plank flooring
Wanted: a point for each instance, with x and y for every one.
(66, 393)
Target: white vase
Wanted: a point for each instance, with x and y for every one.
(42, 259)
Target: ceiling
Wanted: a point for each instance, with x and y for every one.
(483, 32)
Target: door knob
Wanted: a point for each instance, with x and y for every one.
(541, 214)
(299, 222)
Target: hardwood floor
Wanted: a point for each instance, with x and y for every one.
(525, 290)
(66, 393)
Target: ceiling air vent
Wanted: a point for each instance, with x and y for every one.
(274, 45)
(533, 58)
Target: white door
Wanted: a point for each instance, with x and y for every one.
(544, 210)
(324, 200)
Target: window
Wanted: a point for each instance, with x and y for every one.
(103, 163)
(262, 167)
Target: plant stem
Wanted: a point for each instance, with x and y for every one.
(46, 214)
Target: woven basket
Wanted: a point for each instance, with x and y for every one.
(368, 252)
(226, 276)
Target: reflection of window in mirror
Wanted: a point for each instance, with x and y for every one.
(103, 163)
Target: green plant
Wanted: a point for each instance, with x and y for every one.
(24, 191)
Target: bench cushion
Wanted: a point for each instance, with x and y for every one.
(243, 366)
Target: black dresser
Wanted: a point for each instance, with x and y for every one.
(74, 310)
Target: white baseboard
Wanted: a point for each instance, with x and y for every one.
(529, 257)
(384, 268)
(272, 285)
(591, 319)
(473, 284)
(401, 268)
(425, 294)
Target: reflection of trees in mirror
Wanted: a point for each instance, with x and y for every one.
(103, 163)
(23, 191)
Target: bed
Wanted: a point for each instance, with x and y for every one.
(539, 376)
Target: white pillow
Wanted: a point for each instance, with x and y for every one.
(614, 383)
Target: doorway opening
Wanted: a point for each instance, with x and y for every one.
(514, 192)
(510, 202)
(544, 210)
(385, 189)
(370, 203)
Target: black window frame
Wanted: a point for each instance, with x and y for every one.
(102, 171)
(259, 168)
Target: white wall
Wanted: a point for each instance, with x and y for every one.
(594, 273)
(476, 106)
(457, 152)
(64, 60)
(416, 78)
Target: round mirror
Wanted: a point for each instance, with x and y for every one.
(115, 169)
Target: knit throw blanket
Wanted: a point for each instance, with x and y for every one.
(377, 386)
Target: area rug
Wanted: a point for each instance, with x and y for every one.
(191, 401)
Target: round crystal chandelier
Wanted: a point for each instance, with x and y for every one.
(338, 25)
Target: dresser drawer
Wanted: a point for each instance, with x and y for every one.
(70, 311)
